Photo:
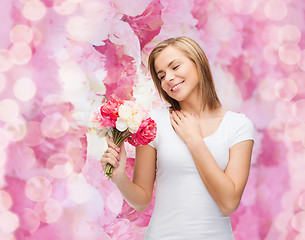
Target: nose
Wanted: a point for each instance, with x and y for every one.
(169, 76)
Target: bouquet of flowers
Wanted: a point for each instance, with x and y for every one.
(123, 120)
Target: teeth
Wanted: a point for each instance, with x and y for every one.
(176, 86)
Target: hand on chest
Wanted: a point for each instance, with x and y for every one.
(174, 155)
(189, 126)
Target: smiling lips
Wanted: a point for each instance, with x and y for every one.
(177, 86)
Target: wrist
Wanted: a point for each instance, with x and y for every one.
(119, 178)
(194, 140)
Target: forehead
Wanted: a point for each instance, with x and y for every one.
(167, 55)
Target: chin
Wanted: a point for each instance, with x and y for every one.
(178, 98)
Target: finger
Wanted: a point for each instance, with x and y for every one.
(122, 150)
(175, 117)
(194, 115)
(172, 119)
(104, 162)
(180, 118)
(112, 145)
(103, 165)
(113, 153)
(184, 113)
(109, 158)
(180, 115)
(173, 123)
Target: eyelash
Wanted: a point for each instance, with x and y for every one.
(174, 68)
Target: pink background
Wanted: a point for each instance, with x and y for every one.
(52, 78)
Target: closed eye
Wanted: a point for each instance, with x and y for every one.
(176, 67)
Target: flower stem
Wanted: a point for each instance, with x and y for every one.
(118, 138)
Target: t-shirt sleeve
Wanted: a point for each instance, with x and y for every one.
(243, 130)
(153, 114)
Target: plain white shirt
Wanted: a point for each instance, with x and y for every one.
(184, 209)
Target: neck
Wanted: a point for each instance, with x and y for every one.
(193, 104)
(202, 112)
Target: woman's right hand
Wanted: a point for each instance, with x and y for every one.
(116, 156)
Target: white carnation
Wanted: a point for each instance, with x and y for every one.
(121, 124)
(134, 123)
(130, 113)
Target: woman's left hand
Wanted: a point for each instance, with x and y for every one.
(185, 125)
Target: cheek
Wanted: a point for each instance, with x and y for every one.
(194, 77)
(166, 89)
(192, 71)
(163, 86)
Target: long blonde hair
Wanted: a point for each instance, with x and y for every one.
(194, 52)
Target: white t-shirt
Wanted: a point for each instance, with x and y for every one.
(184, 209)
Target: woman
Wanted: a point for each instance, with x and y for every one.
(200, 157)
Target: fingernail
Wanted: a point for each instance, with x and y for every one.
(118, 149)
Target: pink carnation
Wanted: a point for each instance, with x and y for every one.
(110, 112)
(145, 134)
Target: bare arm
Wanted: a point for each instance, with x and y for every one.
(226, 187)
(138, 192)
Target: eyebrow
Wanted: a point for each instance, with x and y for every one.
(167, 65)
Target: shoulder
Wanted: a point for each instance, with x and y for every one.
(240, 127)
(236, 118)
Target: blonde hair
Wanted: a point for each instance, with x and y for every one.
(194, 52)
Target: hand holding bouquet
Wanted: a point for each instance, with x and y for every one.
(123, 120)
